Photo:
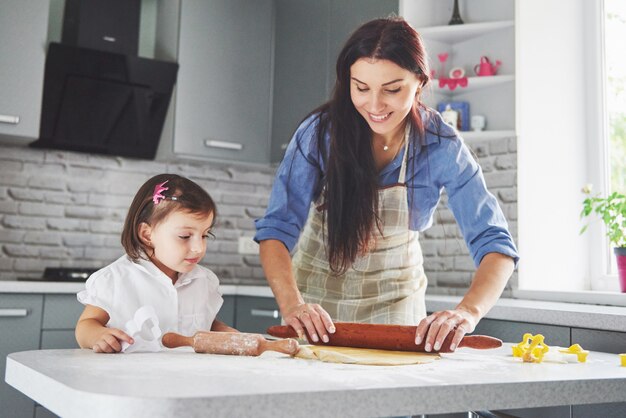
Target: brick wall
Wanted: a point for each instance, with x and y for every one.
(446, 259)
(66, 209)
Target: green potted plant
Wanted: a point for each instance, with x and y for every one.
(612, 211)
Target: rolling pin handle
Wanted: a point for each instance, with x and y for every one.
(173, 340)
(288, 346)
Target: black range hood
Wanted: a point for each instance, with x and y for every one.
(100, 101)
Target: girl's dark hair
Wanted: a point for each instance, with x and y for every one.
(351, 180)
(182, 194)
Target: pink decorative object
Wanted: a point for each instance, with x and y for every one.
(621, 267)
(443, 57)
(453, 83)
(157, 196)
(486, 68)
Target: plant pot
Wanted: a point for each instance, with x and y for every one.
(620, 255)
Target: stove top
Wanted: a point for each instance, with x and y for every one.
(63, 274)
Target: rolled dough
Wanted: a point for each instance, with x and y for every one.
(349, 355)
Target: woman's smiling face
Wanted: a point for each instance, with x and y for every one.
(383, 93)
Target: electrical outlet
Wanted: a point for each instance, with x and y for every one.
(247, 245)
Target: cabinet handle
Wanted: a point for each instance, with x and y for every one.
(284, 146)
(265, 313)
(11, 120)
(223, 144)
(13, 313)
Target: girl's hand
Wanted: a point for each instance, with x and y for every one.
(313, 318)
(110, 341)
(435, 328)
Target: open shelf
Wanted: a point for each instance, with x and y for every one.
(473, 83)
(455, 33)
(472, 136)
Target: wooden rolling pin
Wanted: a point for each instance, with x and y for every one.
(385, 337)
(231, 343)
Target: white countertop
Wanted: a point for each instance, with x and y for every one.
(77, 383)
(609, 318)
(28, 286)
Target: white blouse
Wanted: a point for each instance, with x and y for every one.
(122, 287)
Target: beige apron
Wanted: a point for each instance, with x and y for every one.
(386, 285)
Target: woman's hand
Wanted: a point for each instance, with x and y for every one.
(313, 318)
(435, 328)
(111, 341)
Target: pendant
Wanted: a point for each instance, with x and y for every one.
(386, 147)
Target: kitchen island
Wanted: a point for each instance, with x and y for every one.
(77, 383)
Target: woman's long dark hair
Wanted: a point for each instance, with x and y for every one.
(351, 180)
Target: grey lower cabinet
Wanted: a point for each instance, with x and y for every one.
(20, 325)
(255, 314)
(227, 311)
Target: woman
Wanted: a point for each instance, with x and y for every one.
(361, 176)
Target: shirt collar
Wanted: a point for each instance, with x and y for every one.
(148, 266)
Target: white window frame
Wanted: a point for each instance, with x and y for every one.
(601, 252)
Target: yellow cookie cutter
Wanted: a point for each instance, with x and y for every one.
(531, 349)
(578, 350)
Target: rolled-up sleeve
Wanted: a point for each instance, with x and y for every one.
(294, 188)
(476, 210)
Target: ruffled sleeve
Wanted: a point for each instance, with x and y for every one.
(98, 291)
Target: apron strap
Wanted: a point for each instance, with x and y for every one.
(402, 176)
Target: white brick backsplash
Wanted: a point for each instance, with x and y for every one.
(86, 212)
(24, 222)
(83, 240)
(27, 194)
(236, 187)
(499, 147)
(506, 162)
(45, 182)
(107, 227)
(6, 264)
(61, 253)
(245, 224)
(45, 238)
(13, 179)
(508, 195)
(8, 206)
(102, 253)
(21, 154)
(9, 235)
(20, 250)
(11, 166)
(41, 209)
(34, 265)
(94, 192)
(500, 179)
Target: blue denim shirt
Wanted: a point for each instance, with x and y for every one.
(444, 162)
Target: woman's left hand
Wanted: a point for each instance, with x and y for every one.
(435, 328)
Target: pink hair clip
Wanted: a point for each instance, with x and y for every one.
(157, 196)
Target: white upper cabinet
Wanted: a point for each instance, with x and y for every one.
(23, 30)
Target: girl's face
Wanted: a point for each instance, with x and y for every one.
(179, 241)
(383, 93)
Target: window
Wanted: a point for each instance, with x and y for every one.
(615, 70)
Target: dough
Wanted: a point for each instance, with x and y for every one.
(373, 357)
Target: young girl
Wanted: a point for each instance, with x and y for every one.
(164, 236)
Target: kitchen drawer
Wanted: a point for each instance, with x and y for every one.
(606, 341)
(61, 311)
(227, 311)
(57, 339)
(20, 319)
(512, 331)
(256, 314)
